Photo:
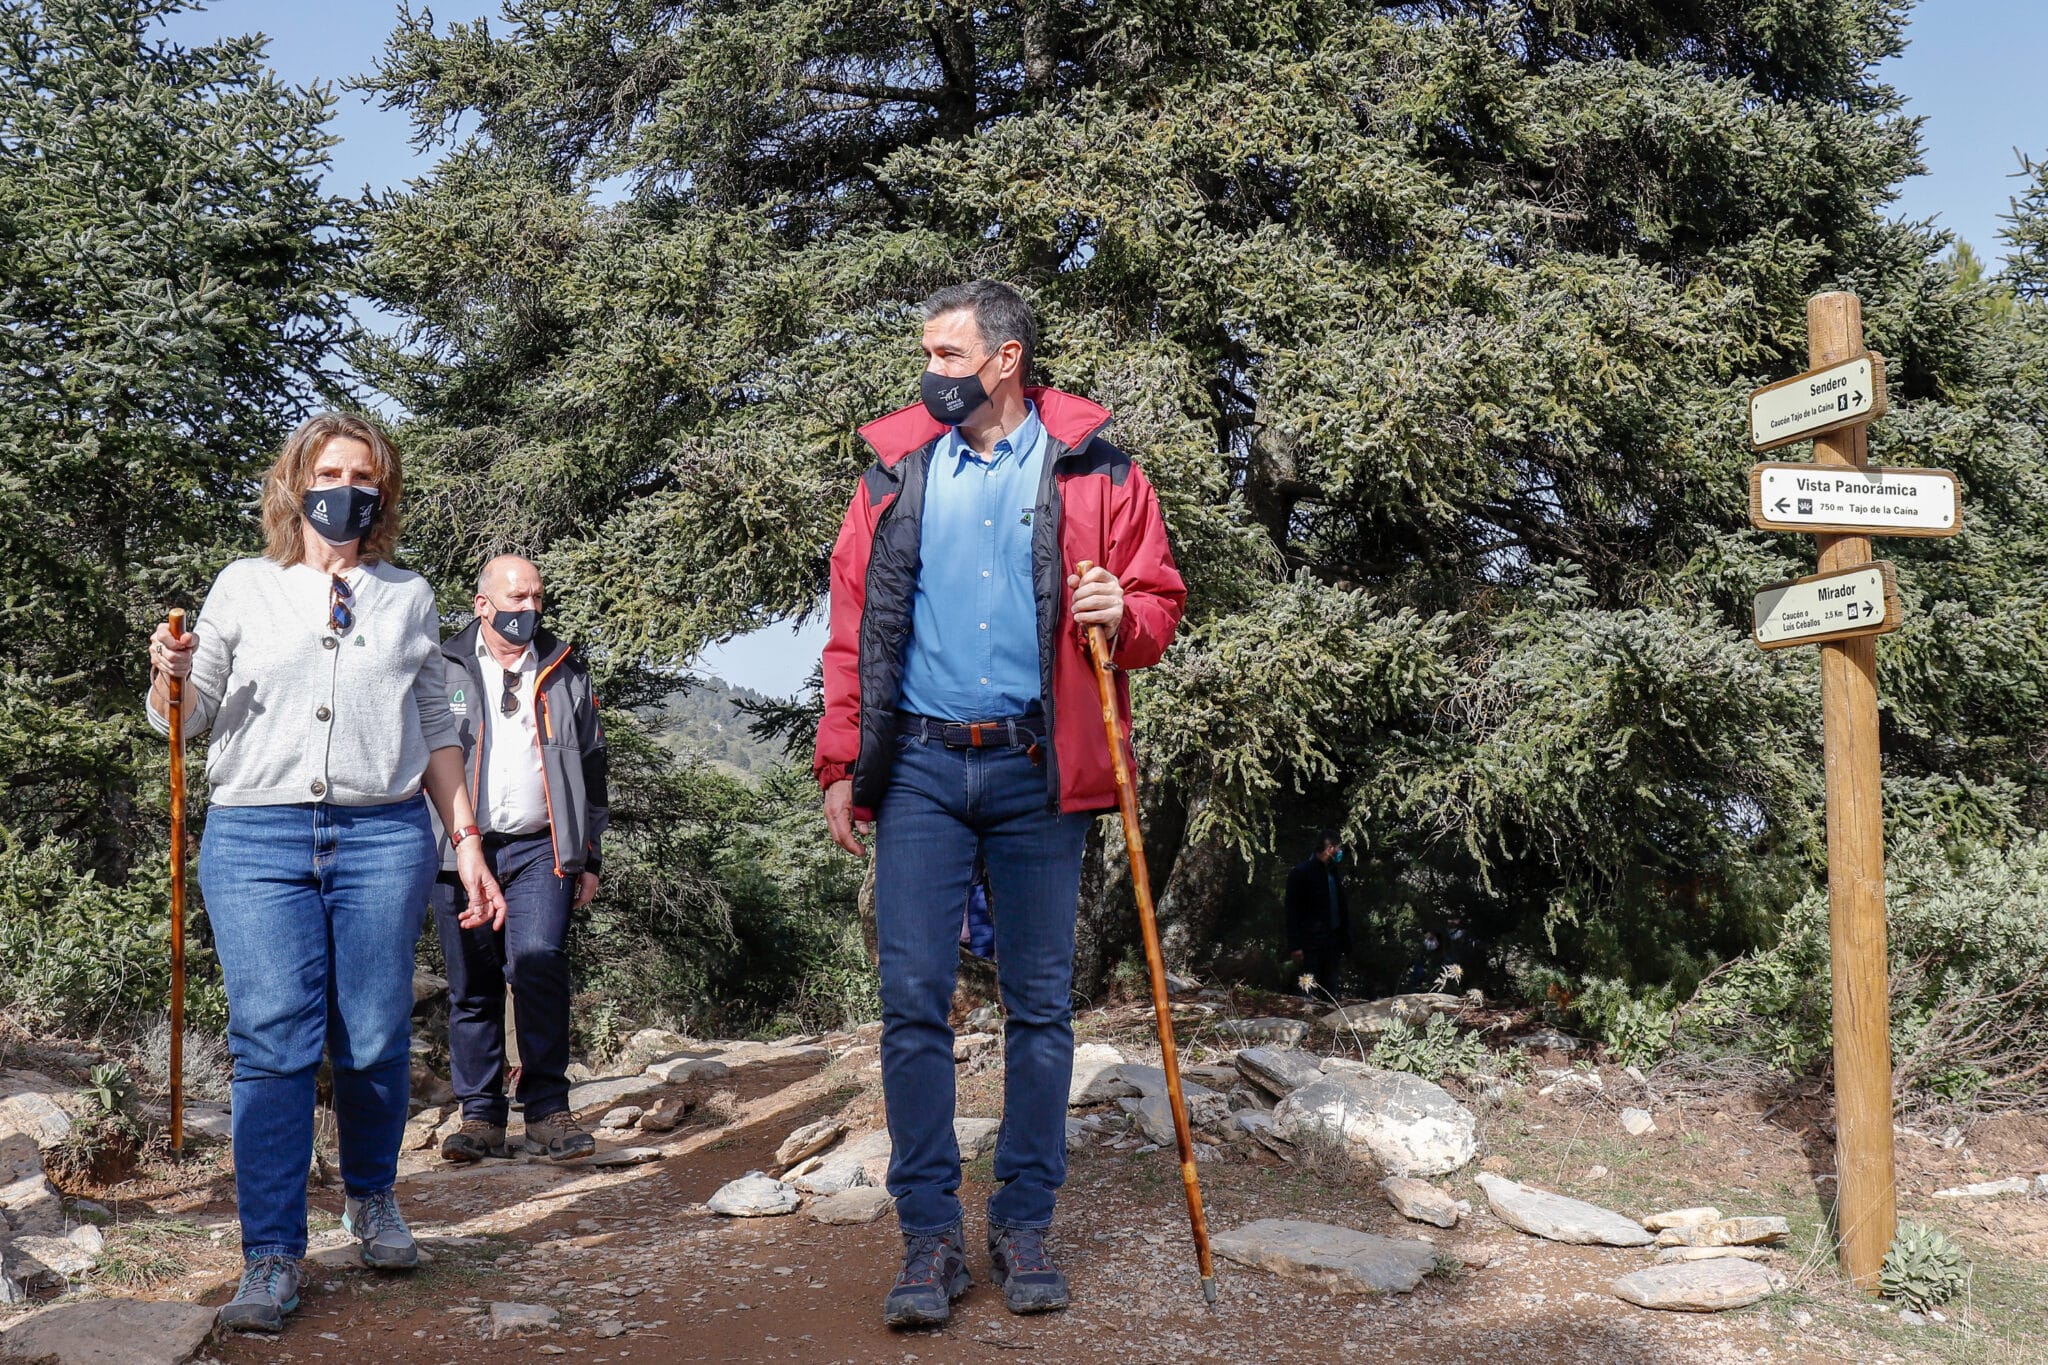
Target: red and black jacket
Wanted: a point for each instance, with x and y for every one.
(1093, 503)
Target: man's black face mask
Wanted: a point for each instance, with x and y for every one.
(950, 400)
(516, 626)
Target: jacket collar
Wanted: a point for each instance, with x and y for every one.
(1069, 419)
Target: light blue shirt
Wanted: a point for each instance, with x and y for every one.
(973, 652)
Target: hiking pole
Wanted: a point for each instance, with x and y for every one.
(176, 692)
(1155, 963)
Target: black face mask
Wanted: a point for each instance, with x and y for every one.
(517, 626)
(343, 513)
(949, 400)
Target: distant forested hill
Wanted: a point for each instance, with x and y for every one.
(704, 720)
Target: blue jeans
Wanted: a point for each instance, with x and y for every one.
(527, 954)
(944, 807)
(315, 911)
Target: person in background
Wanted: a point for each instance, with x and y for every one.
(318, 670)
(1318, 917)
(535, 759)
(1428, 969)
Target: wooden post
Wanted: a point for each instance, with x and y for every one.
(1866, 1212)
(175, 693)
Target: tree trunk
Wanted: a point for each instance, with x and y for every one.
(1191, 899)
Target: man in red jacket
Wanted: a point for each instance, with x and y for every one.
(962, 718)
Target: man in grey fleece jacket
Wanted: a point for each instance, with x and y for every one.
(535, 763)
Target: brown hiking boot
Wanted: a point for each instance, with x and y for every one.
(474, 1141)
(559, 1137)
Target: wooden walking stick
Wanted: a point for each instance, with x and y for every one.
(176, 691)
(1155, 963)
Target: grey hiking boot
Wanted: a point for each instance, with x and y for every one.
(269, 1290)
(474, 1141)
(375, 1221)
(559, 1137)
(934, 1274)
(1025, 1272)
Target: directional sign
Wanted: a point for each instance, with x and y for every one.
(1818, 401)
(1872, 502)
(1828, 606)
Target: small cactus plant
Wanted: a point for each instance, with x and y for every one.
(1923, 1268)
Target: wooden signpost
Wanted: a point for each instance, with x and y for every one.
(1842, 609)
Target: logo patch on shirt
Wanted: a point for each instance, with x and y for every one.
(458, 702)
(361, 642)
(1025, 520)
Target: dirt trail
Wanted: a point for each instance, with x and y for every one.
(633, 1252)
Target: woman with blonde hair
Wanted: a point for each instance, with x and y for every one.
(318, 669)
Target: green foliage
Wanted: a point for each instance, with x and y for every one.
(169, 303)
(1634, 1024)
(1432, 330)
(709, 720)
(1967, 929)
(77, 953)
(107, 1092)
(1923, 1268)
(1440, 1048)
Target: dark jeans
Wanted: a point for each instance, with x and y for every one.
(315, 910)
(942, 809)
(528, 954)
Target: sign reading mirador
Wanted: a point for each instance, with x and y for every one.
(1851, 501)
(1818, 401)
(1863, 600)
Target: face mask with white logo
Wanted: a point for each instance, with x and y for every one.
(950, 400)
(342, 513)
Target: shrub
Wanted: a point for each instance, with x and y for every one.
(1923, 1268)
(1439, 1049)
(1968, 941)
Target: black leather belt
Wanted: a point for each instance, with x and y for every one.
(1019, 732)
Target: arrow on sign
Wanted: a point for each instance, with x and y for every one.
(1781, 504)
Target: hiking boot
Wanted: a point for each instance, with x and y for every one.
(269, 1290)
(474, 1141)
(375, 1221)
(559, 1137)
(934, 1274)
(1020, 1265)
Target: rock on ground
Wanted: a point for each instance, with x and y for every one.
(1095, 1076)
(1559, 1218)
(622, 1156)
(624, 1116)
(1406, 1124)
(1376, 1016)
(665, 1115)
(1696, 1286)
(47, 1259)
(648, 1046)
(809, 1140)
(976, 1137)
(675, 1070)
(110, 1332)
(1672, 1254)
(862, 1160)
(1682, 1218)
(1726, 1232)
(1279, 1071)
(1205, 1106)
(1272, 1031)
(516, 1319)
(1637, 1122)
(420, 1130)
(754, 1195)
(1987, 1189)
(968, 1046)
(1419, 1201)
(1340, 1260)
(861, 1204)
(30, 1103)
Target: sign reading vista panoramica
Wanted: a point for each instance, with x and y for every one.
(1884, 502)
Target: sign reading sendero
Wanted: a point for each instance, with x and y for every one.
(1828, 606)
(1851, 501)
(1817, 401)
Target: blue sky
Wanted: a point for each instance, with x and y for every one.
(1973, 72)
